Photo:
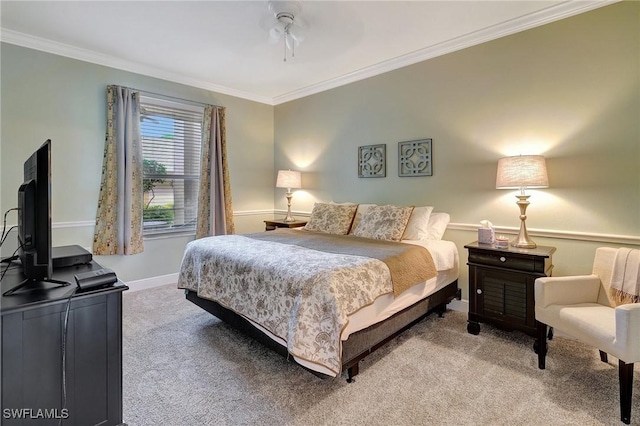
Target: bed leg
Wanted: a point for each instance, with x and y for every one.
(352, 372)
(441, 309)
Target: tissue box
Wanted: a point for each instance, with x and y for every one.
(486, 235)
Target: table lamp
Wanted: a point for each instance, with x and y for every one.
(522, 172)
(289, 179)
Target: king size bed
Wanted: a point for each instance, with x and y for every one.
(327, 295)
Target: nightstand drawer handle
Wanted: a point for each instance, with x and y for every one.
(479, 291)
(503, 259)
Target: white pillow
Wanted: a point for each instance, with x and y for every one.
(438, 222)
(418, 226)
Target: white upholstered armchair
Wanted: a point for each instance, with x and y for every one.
(582, 307)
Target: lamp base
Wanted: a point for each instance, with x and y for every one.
(523, 240)
(289, 217)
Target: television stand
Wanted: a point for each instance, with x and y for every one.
(27, 282)
(33, 329)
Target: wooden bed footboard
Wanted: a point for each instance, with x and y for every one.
(359, 344)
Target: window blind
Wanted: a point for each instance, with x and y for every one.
(171, 144)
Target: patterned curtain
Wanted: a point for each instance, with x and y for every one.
(119, 218)
(215, 214)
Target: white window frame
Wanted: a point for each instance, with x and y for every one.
(185, 213)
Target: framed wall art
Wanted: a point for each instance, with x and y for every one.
(372, 161)
(415, 158)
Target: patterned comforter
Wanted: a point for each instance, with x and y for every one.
(301, 294)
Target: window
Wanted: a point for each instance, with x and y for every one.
(171, 139)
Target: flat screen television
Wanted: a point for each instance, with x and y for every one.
(34, 219)
(34, 215)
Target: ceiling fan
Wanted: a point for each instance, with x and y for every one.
(288, 26)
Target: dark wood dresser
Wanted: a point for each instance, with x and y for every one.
(33, 326)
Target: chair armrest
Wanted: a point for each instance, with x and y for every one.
(566, 290)
(628, 331)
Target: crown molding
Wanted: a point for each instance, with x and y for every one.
(532, 20)
(85, 55)
(535, 19)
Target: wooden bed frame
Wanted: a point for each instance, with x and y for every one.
(359, 344)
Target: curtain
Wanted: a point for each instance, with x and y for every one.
(215, 214)
(119, 217)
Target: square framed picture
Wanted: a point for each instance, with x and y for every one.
(372, 161)
(415, 158)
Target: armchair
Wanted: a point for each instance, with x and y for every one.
(582, 307)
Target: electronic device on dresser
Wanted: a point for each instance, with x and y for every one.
(34, 219)
(65, 256)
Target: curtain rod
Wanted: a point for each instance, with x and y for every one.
(168, 97)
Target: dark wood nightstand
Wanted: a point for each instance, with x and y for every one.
(501, 284)
(270, 225)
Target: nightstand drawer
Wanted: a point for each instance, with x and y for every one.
(508, 260)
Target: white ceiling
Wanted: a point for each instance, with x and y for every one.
(224, 45)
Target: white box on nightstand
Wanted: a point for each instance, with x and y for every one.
(486, 235)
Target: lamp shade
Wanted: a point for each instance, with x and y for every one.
(289, 179)
(523, 171)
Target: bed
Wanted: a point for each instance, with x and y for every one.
(327, 295)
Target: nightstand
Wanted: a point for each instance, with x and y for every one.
(501, 283)
(270, 225)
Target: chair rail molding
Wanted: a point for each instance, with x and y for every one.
(552, 233)
(470, 227)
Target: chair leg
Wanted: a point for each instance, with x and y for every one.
(603, 356)
(625, 373)
(541, 343)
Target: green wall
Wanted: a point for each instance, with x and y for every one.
(568, 90)
(49, 96)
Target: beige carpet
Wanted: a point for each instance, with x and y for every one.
(182, 366)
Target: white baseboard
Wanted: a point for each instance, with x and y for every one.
(459, 305)
(158, 281)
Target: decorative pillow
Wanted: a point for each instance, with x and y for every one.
(438, 222)
(362, 209)
(331, 218)
(418, 226)
(384, 222)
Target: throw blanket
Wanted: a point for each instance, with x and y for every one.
(625, 276)
(408, 264)
(301, 295)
